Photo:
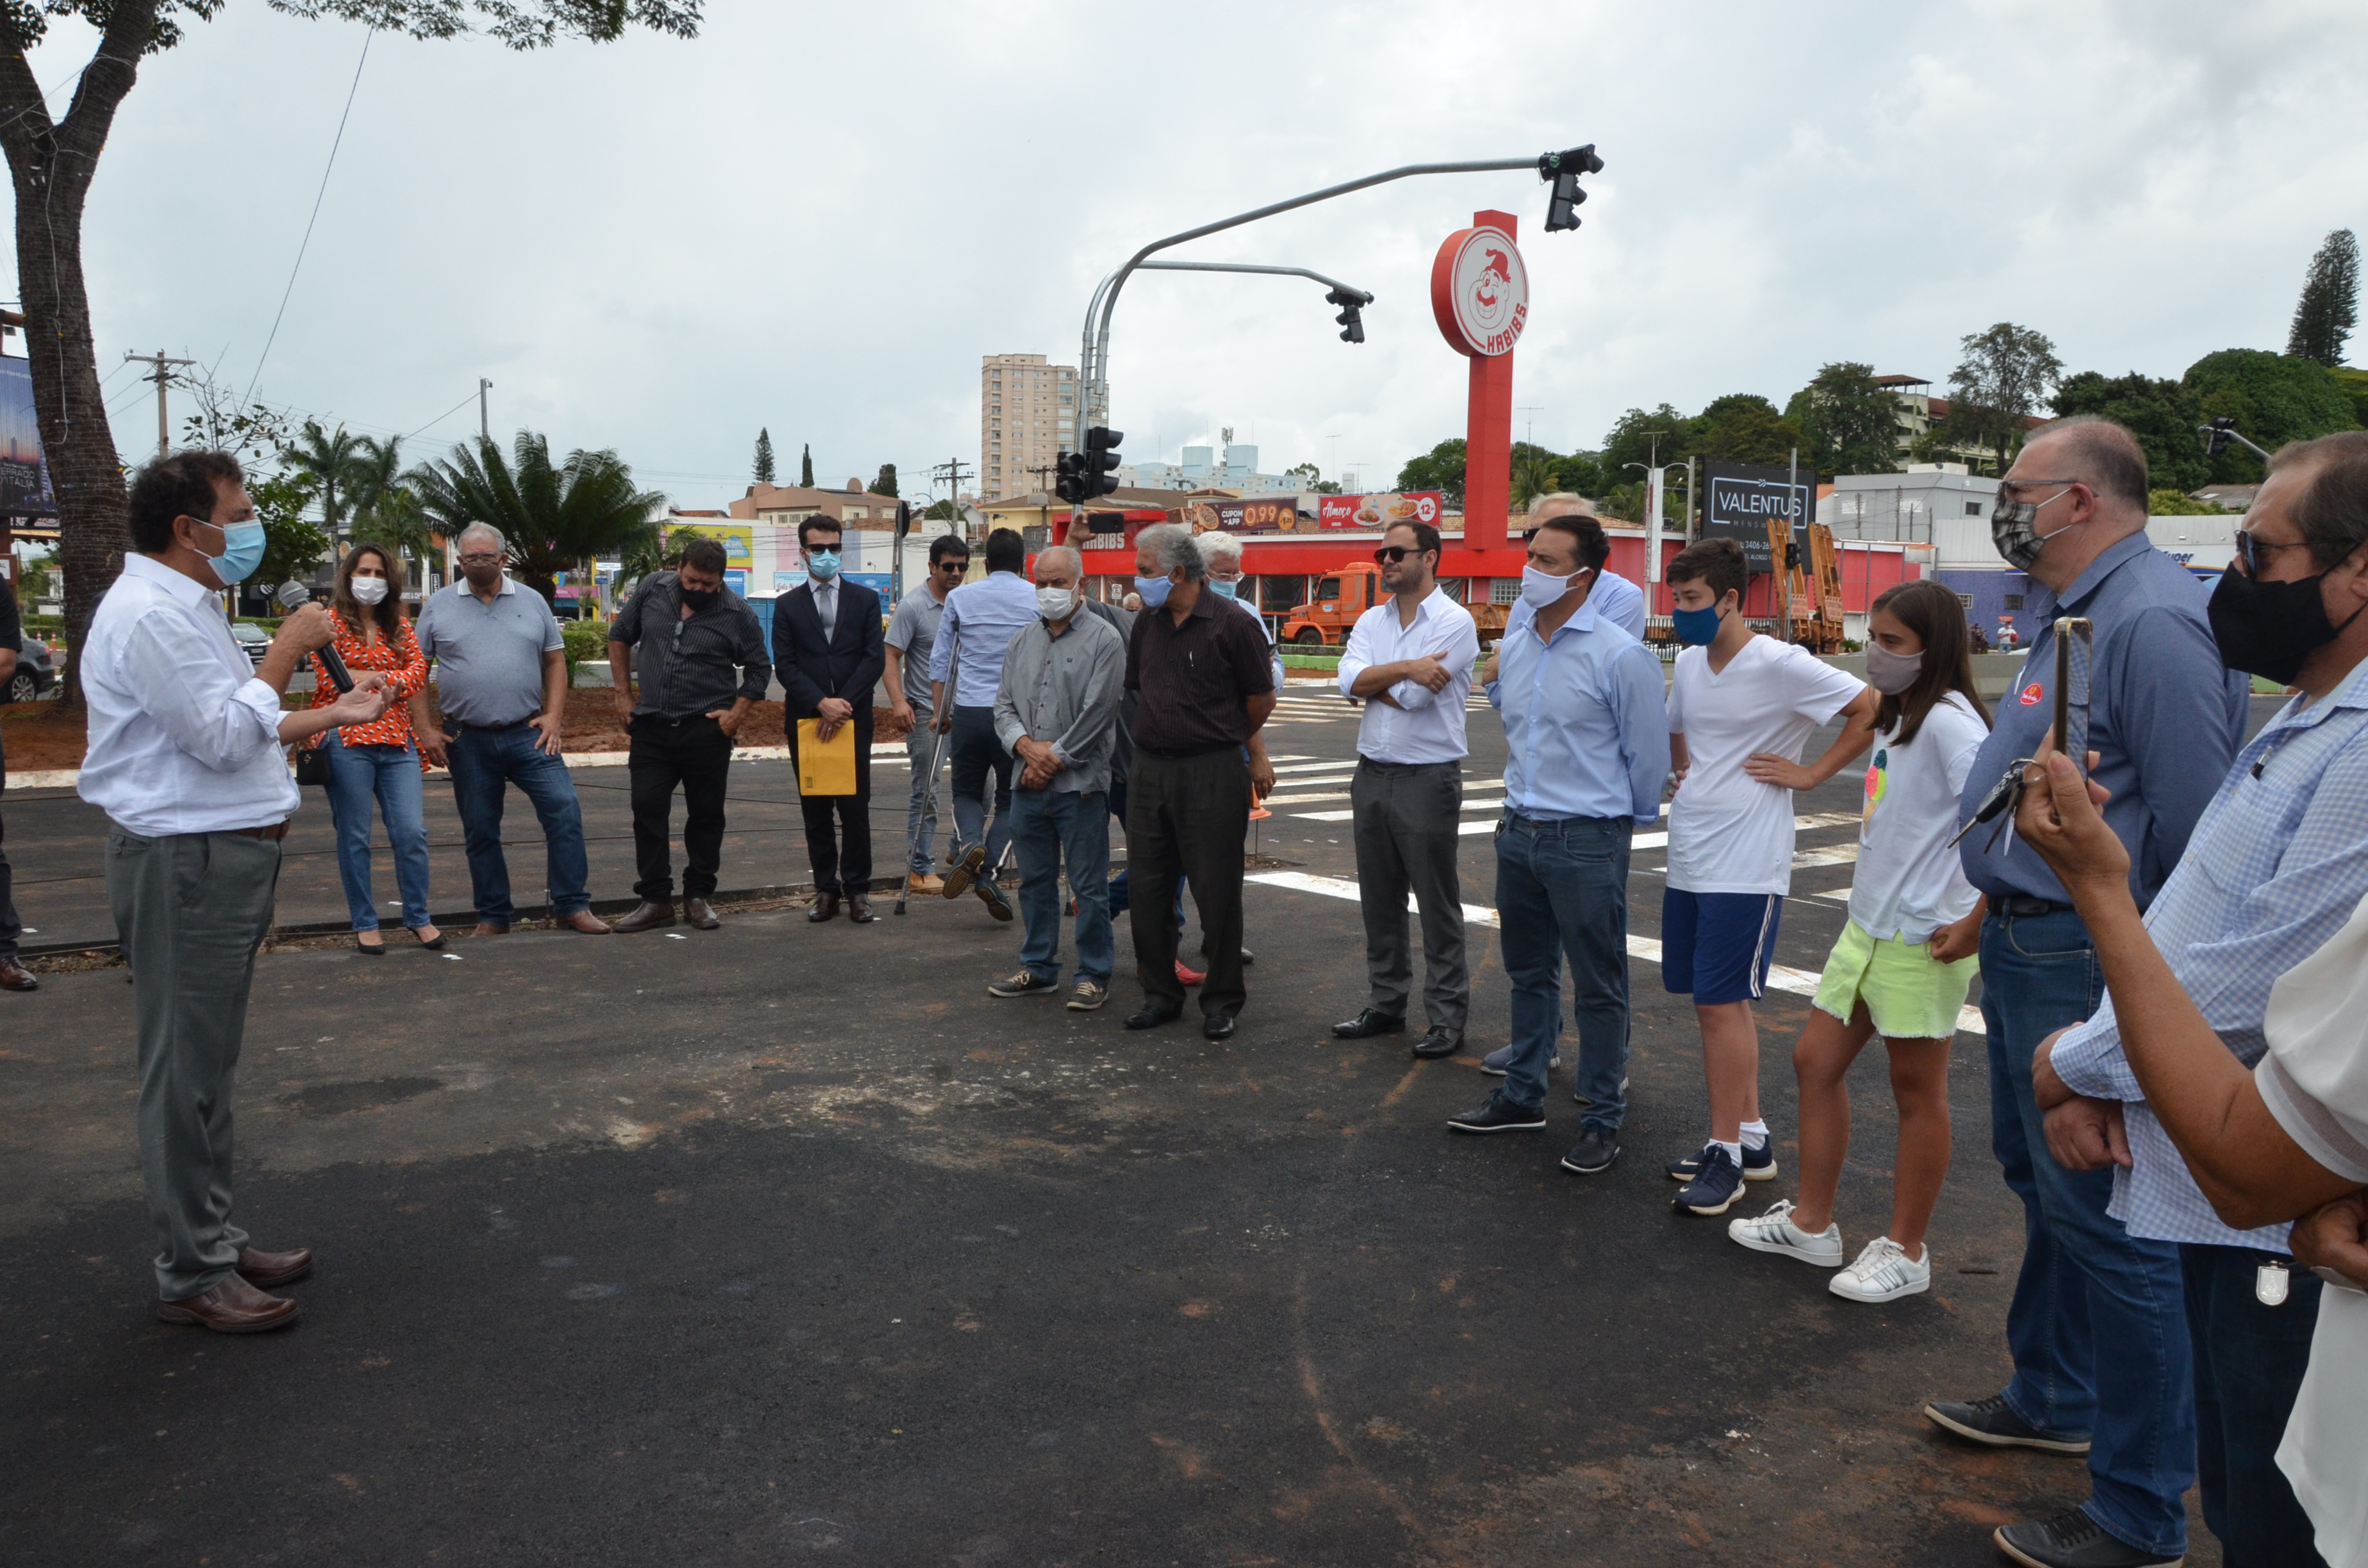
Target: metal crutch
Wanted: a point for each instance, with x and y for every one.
(912, 830)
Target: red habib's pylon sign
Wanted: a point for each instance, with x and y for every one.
(1480, 294)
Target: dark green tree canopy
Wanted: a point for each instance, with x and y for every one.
(761, 469)
(886, 483)
(1742, 427)
(1632, 441)
(1848, 424)
(2329, 306)
(2274, 398)
(1442, 468)
(2162, 415)
(805, 466)
(2006, 377)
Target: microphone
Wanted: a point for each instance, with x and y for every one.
(293, 595)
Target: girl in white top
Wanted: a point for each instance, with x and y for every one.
(1905, 960)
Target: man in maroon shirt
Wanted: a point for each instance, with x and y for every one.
(1204, 686)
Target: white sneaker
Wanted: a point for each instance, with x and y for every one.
(1774, 1231)
(1884, 1274)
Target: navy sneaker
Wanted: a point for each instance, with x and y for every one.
(2074, 1541)
(1499, 1115)
(1758, 1164)
(1499, 1060)
(1715, 1186)
(1993, 1422)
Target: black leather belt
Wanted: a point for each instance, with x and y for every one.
(495, 729)
(276, 831)
(2024, 906)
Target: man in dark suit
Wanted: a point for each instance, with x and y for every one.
(828, 652)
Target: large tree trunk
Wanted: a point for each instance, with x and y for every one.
(50, 166)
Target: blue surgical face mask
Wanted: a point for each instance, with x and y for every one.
(1224, 590)
(1695, 628)
(1154, 591)
(822, 564)
(242, 552)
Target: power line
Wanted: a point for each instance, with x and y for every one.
(338, 142)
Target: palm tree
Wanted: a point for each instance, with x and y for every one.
(384, 506)
(332, 460)
(555, 518)
(1532, 477)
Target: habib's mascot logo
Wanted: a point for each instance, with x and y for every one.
(2031, 695)
(1489, 290)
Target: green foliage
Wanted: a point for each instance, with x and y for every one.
(293, 546)
(586, 640)
(2005, 377)
(555, 516)
(331, 461)
(2274, 398)
(37, 582)
(2179, 504)
(886, 483)
(1631, 441)
(249, 434)
(1442, 468)
(2355, 387)
(2329, 306)
(1308, 475)
(1848, 424)
(805, 467)
(761, 471)
(2162, 415)
(1742, 427)
(941, 511)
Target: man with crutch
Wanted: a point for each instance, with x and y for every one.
(912, 635)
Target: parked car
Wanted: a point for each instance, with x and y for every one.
(35, 672)
(255, 640)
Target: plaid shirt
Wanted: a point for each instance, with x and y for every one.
(2276, 866)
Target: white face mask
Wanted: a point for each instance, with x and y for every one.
(1056, 604)
(368, 590)
(1540, 589)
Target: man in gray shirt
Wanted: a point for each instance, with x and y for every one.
(501, 676)
(1056, 712)
(912, 634)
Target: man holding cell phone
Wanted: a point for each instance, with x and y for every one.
(2164, 718)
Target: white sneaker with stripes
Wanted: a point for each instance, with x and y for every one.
(1883, 1273)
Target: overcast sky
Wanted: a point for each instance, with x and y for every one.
(817, 220)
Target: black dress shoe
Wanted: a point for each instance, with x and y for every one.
(1366, 1024)
(825, 905)
(1439, 1040)
(1151, 1018)
(15, 976)
(646, 915)
(1594, 1152)
(1217, 1026)
(859, 908)
(700, 914)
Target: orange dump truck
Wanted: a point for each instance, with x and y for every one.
(1336, 599)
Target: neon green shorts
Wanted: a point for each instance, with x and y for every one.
(1907, 994)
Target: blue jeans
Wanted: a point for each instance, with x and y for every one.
(2085, 1281)
(921, 750)
(391, 773)
(1562, 891)
(483, 761)
(2250, 1359)
(1049, 825)
(975, 753)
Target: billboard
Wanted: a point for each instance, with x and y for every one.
(1740, 498)
(1373, 512)
(1249, 515)
(24, 476)
(737, 539)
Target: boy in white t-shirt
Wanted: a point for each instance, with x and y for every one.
(1741, 706)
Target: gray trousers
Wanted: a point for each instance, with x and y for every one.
(192, 910)
(1407, 814)
(921, 749)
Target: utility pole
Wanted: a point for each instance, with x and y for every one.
(163, 376)
(1529, 421)
(485, 423)
(951, 474)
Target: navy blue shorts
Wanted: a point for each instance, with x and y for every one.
(1718, 945)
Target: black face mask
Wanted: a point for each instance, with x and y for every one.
(2270, 630)
(699, 599)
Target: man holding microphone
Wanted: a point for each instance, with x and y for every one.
(186, 760)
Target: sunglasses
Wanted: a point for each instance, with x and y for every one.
(1391, 554)
(2253, 553)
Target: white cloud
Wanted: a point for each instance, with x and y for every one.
(817, 222)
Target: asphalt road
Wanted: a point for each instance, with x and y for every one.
(786, 1242)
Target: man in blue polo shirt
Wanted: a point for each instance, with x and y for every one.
(2165, 717)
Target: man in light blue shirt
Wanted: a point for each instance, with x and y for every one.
(980, 620)
(1589, 757)
(1612, 598)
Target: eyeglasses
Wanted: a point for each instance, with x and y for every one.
(1391, 554)
(480, 559)
(2253, 553)
(2021, 484)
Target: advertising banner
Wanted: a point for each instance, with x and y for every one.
(24, 476)
(1250, 515)
(737, 539)
(1740, 498)
(1371, 513)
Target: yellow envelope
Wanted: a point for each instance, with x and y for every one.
(825, 768)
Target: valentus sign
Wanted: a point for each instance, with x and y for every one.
(1740, 499)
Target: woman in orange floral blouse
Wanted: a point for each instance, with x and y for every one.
(379, 758)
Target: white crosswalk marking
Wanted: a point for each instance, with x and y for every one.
(1781, 977)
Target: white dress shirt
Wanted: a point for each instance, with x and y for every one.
(825, 602)
(1425, 726)
(183, 737)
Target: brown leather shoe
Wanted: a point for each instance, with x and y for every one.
(921, 885)
(231, 1307)
(825, 906)
(700, 914)
(647, 916)
(584, 920)
(270, 1270)
(15, 976)
(859, 908)
(487, 929)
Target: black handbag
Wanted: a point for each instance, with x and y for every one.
(313, 764)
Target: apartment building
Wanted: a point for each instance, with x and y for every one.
(1026, 418)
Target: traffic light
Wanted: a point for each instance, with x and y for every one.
(2217, 434)
(1069, 471)
(1350, 301)
(1095, 464)
(1564, 168)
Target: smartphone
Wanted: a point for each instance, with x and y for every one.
(1106, 522)
(2075, 648)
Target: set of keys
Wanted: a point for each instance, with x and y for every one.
(2075, 641)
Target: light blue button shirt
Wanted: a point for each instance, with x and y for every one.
(2276, 866)
(1584, 715)
(980, 620)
